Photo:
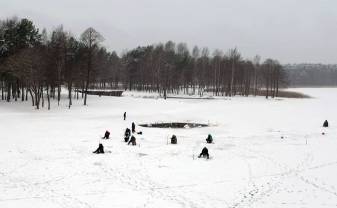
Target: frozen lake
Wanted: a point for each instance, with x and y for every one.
(266, 153)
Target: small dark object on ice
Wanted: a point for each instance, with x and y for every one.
(133, 127)
(132, 140)
(323, 133)
(127, 134)
(124, 115)
(282, 137)
(174, 139)
(140, 133)
(204, 153)
(99, 150)
(209, 138)
(326, 124)
(106, 135)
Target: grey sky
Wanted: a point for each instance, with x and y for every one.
(288, 30)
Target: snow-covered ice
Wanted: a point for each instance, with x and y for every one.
(46, 157)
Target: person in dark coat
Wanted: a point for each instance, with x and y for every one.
(127, 134)
(132, 140)
(124, 116)
(133, 127)
(209, 139)
(174, 139)
(325, 124)
(106, 135)
(99, 150)
(204, 153)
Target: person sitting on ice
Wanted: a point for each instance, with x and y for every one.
(106, 135)
(174, 139)
(133, 127)
(326, 124)
(209, 138)
(204, 153)
(127, 134)
(99, 150)
(132, 140)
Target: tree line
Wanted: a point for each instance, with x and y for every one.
(36, 65)
(172, 68)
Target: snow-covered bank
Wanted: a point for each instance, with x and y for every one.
(46, 158)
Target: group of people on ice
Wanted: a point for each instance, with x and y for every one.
(129, 138)
(204, 152)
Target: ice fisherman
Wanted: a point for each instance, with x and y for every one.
(204, 153)
(174, 139)
(209, 138)
(106, 135)
(99, 150)
(132, 140)
(127, 134)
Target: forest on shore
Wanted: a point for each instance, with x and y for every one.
(311, 75)
(36, 65)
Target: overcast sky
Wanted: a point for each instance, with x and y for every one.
(291, 31)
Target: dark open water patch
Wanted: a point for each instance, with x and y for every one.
(174, 125)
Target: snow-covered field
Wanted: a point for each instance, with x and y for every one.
(46, 157)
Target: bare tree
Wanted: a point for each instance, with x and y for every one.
(234, 57)
(91, 39)
(256, 63)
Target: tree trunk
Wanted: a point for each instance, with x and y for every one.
(58, 94)
(2, 90)
(42, 97)
(31, 95)
(48, 97)
(69, 93)
(22, 93)
(232, 80)
(8, 92)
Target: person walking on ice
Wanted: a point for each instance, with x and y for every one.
(124, 116)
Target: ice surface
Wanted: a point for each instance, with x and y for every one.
(46, 157)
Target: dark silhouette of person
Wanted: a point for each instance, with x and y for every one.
(106, 135)
(127, 134)
(326, 124)
(100, 149)
(209, 138)
(174, 139)
(133, 127)
(132, 140)
(124, 116)
(204, 153)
